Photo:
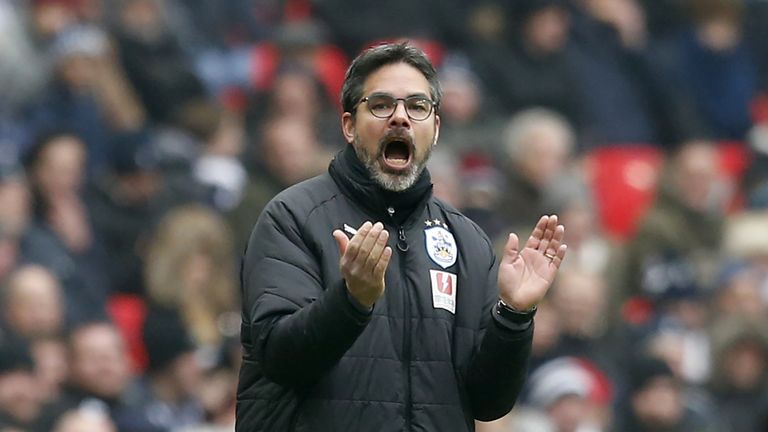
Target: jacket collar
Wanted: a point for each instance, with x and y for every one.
(354, 180)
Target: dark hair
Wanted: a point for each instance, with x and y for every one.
(377, 56)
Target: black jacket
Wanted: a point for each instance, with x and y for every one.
(314, 361)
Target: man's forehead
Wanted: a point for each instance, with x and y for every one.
(399, 79)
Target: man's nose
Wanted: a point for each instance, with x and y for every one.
(400, 116)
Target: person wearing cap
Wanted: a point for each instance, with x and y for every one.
(167, 400)
(369, 304)
(20, 398)
(656, 401)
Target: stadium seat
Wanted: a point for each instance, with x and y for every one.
(128, 313)
(623, 180)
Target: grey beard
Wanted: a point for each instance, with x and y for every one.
(390, 181)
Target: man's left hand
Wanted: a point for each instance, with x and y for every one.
(526, 275)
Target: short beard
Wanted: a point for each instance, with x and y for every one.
(394, 182)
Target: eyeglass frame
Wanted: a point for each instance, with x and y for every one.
(433, 106)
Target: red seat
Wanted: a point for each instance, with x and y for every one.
(623, 180)
(128, 312)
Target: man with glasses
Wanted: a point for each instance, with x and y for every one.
(370, 305)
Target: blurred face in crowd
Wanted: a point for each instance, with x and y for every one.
(15, 205)
(84, 420)
(34, 306)
(659, 403)
(461, 98)
(99, 361)
(50, 357)
(59, 168)
(187, 374)
(568, 413)
(580, 299)
(544, 154)
(78, 71)
(291, 150)
(741, 296)
(142, 18)
(295, 93)
(394, 149)
(697, 177)
(546, 31)
(19, 395)
(50, 18)
(745, 365)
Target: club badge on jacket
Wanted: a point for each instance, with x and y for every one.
(442, 250)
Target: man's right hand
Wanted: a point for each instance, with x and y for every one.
(364, 260)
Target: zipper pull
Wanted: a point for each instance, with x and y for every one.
(402, 241)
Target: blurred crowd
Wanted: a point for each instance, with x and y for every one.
(140, 139)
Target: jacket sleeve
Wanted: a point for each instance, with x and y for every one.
(297, 328)
(497, 372)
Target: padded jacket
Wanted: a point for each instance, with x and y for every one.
(316, 361)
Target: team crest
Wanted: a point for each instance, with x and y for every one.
(441, 246)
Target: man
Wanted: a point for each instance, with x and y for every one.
(346, 329)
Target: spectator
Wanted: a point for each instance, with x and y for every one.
(656, 402)
(32, 303)
(20, 398)
(61, 237)
(99, 375)
(191, 269)
(154, 62)
(681, 234)
(539, 144)
(50, 355)
(86, 94)
(167, 400)
(740, 379)
(84, 419)
(713, 66)
(288, 153)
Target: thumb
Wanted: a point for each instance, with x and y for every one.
(511, 249)
(341, 240)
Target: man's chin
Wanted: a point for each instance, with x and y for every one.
(395, 182)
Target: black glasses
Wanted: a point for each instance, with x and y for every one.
(382, 105)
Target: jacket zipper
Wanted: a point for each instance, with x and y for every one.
(402, 246)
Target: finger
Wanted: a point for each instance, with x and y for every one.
(368, 243)
(341, 240)
(354, 245)
(557, 240)
(549, 232)
(537, 233)
(559, 256)
(511, 248)
(377, 250)
(381, 265)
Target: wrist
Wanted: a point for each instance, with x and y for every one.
(513, 314)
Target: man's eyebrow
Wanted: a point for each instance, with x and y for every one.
(381, 93)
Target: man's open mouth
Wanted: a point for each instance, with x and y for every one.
(397, 154)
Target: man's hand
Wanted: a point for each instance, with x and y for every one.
(364, 261)
(525, 276)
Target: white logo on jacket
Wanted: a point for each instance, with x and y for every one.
(441, 246)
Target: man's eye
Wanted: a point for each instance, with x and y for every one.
(418, 106)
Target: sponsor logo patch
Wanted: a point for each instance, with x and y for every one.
(443, 290)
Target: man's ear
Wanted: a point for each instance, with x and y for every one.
(348, 127)
(437, 130)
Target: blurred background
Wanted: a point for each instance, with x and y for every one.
(140, 139)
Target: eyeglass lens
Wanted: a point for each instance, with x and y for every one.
(383, 106)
